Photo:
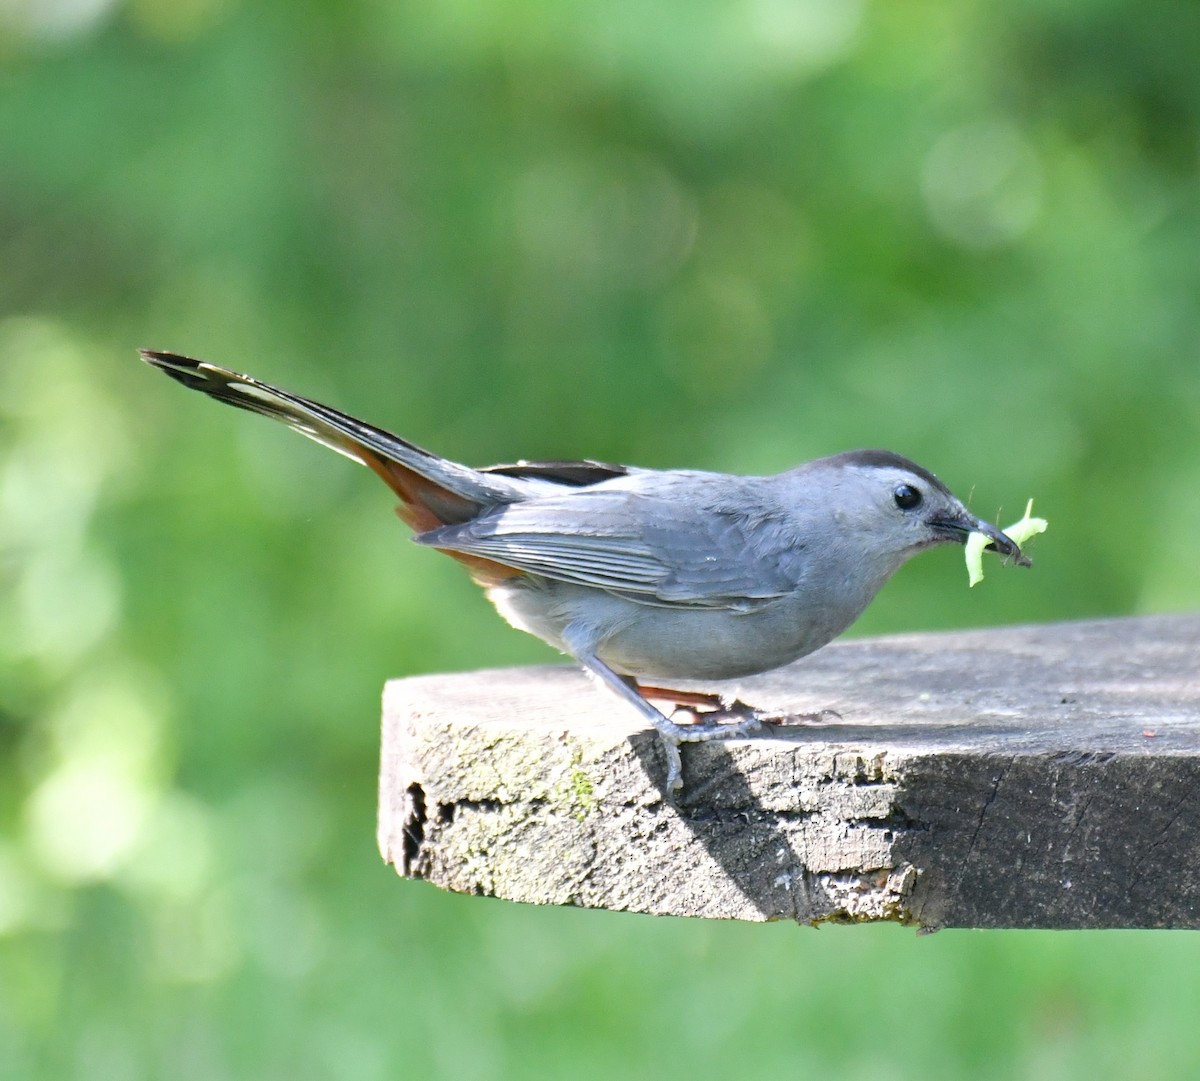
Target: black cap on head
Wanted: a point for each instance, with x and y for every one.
(886, 459)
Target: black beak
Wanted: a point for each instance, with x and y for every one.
(961, 526)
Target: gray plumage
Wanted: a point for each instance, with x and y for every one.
(644, 574)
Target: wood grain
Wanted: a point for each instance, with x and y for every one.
(1043, 776)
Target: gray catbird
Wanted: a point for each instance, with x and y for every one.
(642, 575)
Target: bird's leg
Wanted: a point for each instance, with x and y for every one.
(671, 733)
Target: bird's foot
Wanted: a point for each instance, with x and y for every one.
(720, 718)
(674, 735)
(724, 718)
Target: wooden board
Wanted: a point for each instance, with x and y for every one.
(1044, 776)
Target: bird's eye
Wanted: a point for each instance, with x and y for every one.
(906, 496)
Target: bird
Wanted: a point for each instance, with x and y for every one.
(645, 576)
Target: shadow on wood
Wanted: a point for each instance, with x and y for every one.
(1042, 776)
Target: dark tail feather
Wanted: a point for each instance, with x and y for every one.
(435, 490)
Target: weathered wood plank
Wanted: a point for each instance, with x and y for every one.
(1043, 776)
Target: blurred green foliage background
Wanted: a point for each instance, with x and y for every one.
(725, 235)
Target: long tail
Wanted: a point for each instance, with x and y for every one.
(434, 491)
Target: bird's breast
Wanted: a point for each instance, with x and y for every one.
(660, 642)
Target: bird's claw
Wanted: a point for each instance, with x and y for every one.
(702, 731)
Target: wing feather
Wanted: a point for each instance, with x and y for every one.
(666, 542)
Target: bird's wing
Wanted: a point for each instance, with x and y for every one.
(664, 547)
